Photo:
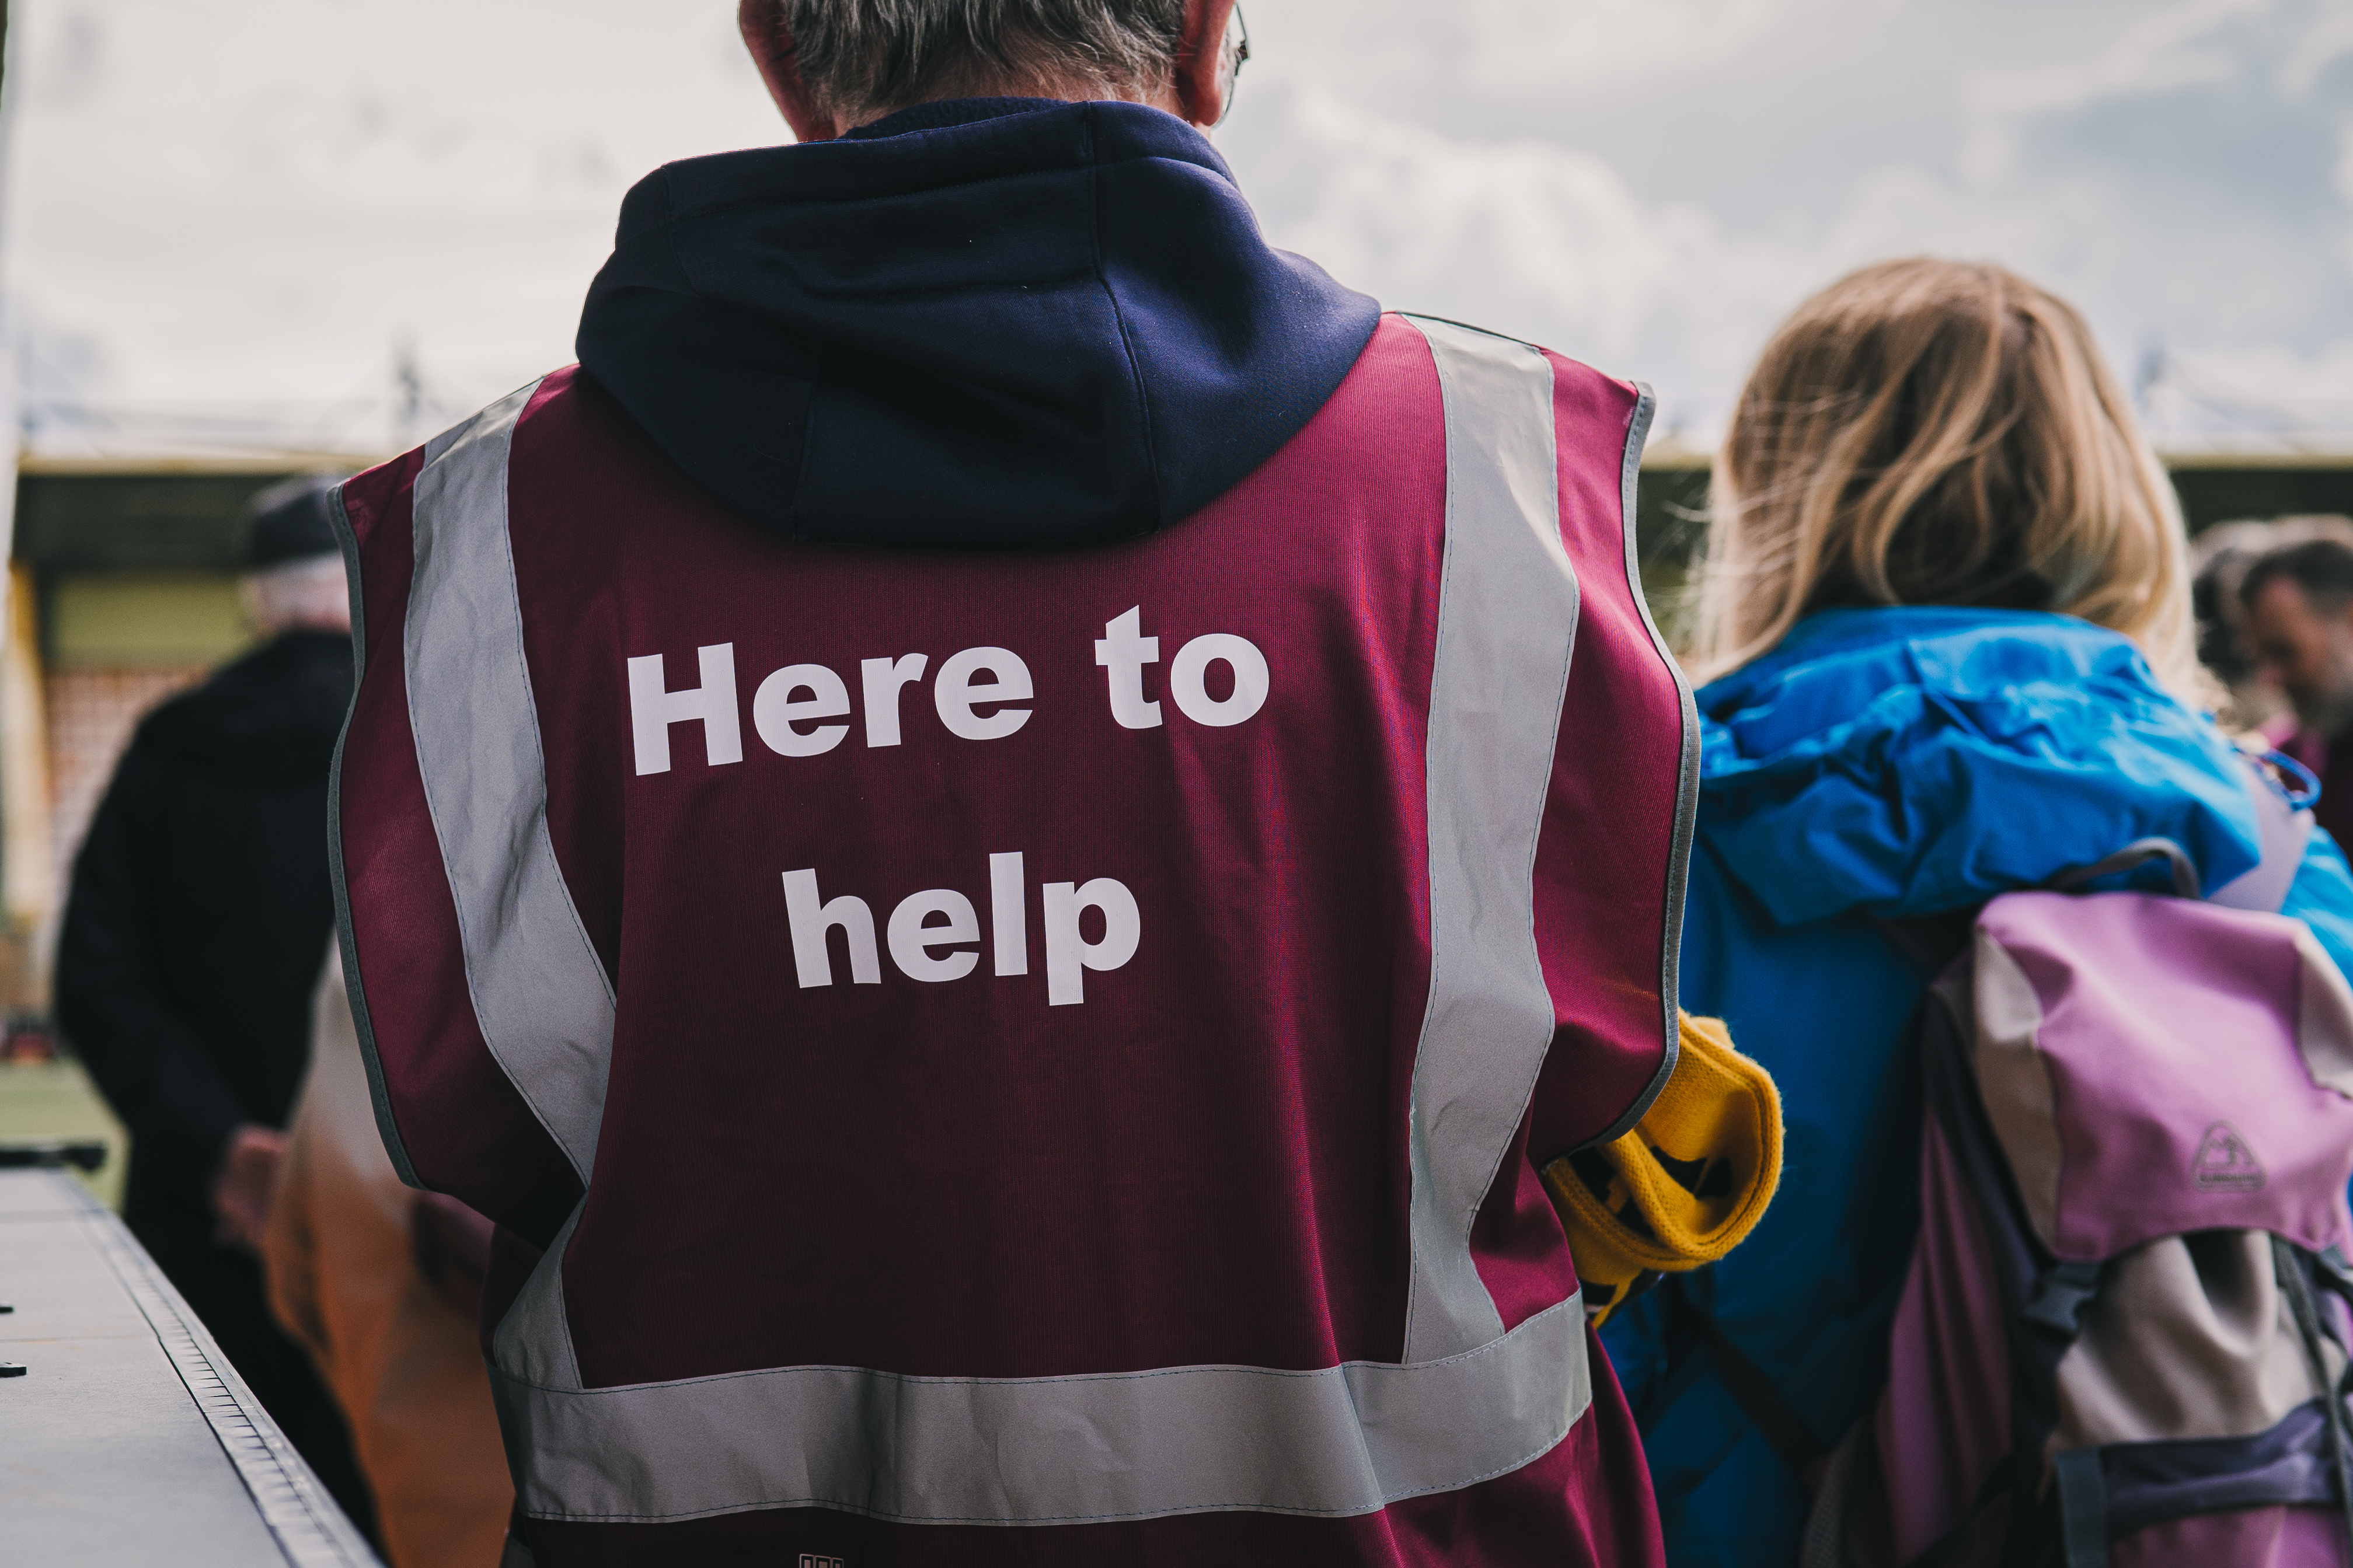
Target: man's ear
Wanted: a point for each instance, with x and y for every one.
(762, 23)
(1203, 87)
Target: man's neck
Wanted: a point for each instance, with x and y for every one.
(941, 114)
(1067, 91)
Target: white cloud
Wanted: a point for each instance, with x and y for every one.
(1573, 45)
(242, 204)
(2327, 39)
(245, 204)
(1531, 237)
(2152, 171)
(2185, 45)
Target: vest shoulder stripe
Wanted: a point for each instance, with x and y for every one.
(539, 991)
(1506, 627)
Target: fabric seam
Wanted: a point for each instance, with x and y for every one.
(1430, 1004)
(1126, 333)
(1670, 936)
(346, 941)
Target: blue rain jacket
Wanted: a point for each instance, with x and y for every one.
(1886, 764)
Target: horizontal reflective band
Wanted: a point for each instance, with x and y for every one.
(1348, 1439)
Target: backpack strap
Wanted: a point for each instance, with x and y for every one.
(2082, 1508)
(1767, 1409)
(2141, 851)
(2283, 825)
(2290, 1265)
(2284, 820)
(2059, 1296)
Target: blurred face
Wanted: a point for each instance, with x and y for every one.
(300, 596)
(2308, 651)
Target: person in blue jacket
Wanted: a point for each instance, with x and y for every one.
(1946, 609)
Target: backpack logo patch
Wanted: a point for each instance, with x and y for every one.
(2225, 1163)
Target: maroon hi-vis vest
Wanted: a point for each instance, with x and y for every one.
(1032, 1057)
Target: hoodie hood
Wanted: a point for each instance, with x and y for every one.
(995, 323)
(1900, 763)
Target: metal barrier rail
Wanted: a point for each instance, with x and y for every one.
(127, 1438)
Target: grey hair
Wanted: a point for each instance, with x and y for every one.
(868, 55)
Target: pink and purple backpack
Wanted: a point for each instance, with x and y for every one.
(2124, 1336)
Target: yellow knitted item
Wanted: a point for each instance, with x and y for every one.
(1685, 1186)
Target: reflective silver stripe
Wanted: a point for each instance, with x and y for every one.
(1506, 624)
(1051, 1450)
(1468, 1402)
(540, 991)
(533, 1342)
(1671, 935)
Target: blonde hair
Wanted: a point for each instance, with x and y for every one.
(1927, 432)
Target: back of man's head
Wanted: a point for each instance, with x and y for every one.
(861, 58)
(294, 566)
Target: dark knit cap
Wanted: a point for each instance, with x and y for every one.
(291, 522)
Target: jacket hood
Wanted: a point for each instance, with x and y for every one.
(272, 716)
(997, 322)
(1907, 761)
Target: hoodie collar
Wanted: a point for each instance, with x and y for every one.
(986, 325)
(943, 113)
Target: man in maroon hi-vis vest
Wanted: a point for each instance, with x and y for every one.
(999, 835)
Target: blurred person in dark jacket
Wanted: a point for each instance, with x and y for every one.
(199, 913)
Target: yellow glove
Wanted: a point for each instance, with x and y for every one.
(1685, 1186)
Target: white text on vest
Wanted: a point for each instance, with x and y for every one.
(941, 917)
(802, 710)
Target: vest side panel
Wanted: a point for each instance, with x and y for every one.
(1609, 866)
(463, 1125)
(1588, 1502)
(1608, 862)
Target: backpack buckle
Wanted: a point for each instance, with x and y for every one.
(2059, 1294)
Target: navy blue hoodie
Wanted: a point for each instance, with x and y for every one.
(995, 323)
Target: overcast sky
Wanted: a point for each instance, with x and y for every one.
(223, 210)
